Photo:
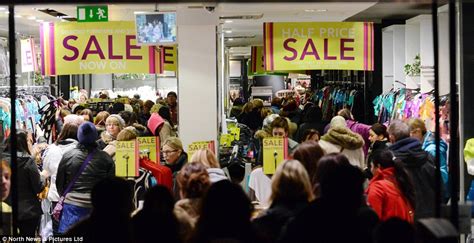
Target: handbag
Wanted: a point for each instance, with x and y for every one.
(59, 206)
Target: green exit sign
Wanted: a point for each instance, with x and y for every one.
(92, 14)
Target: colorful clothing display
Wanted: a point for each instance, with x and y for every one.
(403, 104)
(331, 99)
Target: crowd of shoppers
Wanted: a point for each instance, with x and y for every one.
(342, 183)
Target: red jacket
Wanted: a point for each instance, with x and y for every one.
(384, 196)
(162, 174)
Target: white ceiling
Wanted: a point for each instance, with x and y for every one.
(272, 12)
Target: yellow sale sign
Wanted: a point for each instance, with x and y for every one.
(275, 151)
(126, 159)
(95, 48)
(319, 45)
(149, 147)
(194, 147)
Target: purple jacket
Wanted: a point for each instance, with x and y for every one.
(359, 128)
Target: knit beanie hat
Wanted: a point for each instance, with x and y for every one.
(268, 121)
(73, 119)
(116, 118)
(338, 121)
(154, 122)
(87, 133)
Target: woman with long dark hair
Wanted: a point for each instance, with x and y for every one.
(378, 137)
(29, 184)
(390, 192)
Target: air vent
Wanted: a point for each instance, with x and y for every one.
(56, 14)
(242, 17)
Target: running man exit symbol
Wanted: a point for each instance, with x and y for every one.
(92, 13)
(101, 13)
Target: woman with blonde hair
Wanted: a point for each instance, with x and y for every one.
(291, 193)
(108, 139)
(209, 160)
(175, 158)
(100, 119)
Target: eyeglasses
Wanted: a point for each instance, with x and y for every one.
(169, 151)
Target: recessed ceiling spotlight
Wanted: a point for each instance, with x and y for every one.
(230, 39)
(228, 21)
(228, 31)
(32, 18)
(321, 10)
(310, 10)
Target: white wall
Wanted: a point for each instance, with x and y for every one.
(387, 60)
(401, 43)
(412, 48)
(443, 60)
(197, 77)
(398, 52)
(426, 53)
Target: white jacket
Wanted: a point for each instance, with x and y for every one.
(53, 155)
(355, 156)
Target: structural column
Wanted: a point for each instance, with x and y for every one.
(197, 75)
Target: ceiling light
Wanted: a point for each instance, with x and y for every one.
(228, 21)
(310, 10)
(321, 10)
(32, 18)
(39, 20)
(230, 39)
(18, 16)
(3, 9)
(228, 31)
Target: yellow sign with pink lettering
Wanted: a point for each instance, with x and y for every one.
(95, 48)
(319, 46)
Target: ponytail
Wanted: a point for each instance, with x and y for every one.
(404, 182)
(386, 159)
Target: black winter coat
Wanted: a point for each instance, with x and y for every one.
(100, 167)
(324, 221)
(270, 224)
(29, 185)
(420, 167)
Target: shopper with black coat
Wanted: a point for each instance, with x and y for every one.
(29, 185)
(312, 120)
(77, 203)
(419, 164)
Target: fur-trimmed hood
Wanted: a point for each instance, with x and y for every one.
(344, 137)
(261, 134)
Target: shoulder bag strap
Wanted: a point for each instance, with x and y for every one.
(83, 167)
